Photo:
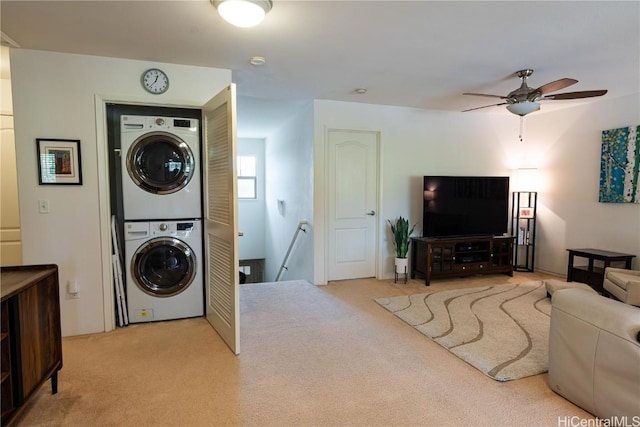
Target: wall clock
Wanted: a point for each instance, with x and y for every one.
(155, 81)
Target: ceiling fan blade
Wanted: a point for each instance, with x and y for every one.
(485, 106)
(484, 94)
(557, 85)
(576, 95)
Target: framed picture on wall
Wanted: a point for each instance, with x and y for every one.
(59, 161)
(526, 213)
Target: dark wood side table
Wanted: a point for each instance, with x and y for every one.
(592, 274)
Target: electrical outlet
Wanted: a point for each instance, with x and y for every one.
(43, 206)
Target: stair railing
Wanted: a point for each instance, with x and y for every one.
(293, 241)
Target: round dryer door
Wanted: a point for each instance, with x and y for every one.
(163, 267)
(160, 163)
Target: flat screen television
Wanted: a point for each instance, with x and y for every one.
(465, 206)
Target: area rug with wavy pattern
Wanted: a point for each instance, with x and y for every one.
(501, 330)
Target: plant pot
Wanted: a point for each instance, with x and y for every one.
(401, 265)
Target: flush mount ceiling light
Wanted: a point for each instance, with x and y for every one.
(257, 60)
(243, 13)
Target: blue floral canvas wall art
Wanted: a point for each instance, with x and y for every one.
(619, 165)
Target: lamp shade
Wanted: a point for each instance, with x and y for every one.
(525, 179)
(243, 13)
(523, 108)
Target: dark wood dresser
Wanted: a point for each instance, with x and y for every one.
(31, 334)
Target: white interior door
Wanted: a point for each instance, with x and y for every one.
(353, 188)
(221, 216)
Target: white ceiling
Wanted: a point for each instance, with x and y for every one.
(422, 54)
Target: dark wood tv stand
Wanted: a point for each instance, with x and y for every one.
(434, 258)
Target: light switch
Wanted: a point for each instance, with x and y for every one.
(43, 206)
(73, 289)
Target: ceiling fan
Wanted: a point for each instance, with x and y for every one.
(525, 99)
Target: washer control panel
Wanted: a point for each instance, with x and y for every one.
(173, 124)
(166, 228)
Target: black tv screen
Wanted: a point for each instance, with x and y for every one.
(465, 206)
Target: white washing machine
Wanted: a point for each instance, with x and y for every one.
(163, 263)
(160, 158)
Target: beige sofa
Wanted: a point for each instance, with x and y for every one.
(623, 284)
(594, 353)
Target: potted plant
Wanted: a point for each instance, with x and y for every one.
(401, 233)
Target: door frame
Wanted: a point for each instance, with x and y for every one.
(327, 195)
(104, 198)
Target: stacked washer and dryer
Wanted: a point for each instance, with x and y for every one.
(161, 199)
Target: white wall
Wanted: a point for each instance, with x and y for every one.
(289, 169)
(60, 95)
(566, 147)
(251, 212)
(565, 144)
(413, 143)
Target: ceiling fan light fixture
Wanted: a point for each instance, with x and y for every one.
(523, 108)
(243, 13)
(525, 99)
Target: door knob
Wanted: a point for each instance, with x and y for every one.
(372, 213)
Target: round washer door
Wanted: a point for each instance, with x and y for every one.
(163, 267)
(160, 163)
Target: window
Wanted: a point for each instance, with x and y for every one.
(246, 177)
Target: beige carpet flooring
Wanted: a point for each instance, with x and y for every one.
(310, 356)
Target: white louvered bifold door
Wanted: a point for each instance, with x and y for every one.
(221, 217)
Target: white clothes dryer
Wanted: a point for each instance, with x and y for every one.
(163, 263)
(160, 159)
